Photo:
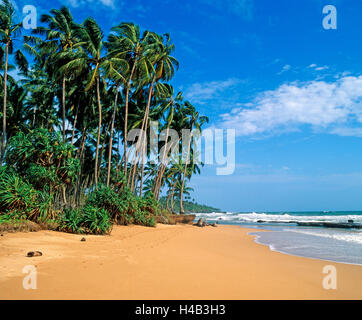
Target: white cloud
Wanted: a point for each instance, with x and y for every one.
(322, 68)
(77, 3)
(286, 68)
(317, 68)
(202, 92)
(328, 106)
(347, 132)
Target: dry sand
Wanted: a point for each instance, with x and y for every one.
(167, 262)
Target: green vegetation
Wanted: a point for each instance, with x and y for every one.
(86, 220)
(191, 206)
(65, 158)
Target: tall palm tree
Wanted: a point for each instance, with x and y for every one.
(158, 52)
(60, 38)
(126, 41)
(93, 60)
(9, 31)
(169, 110)
(175, 173)
(88, 94)
(197, 121)
(41, 98)
(18, 115)
(116, 69)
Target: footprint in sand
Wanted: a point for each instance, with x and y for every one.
(131, 260)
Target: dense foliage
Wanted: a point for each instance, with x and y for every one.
(65, 151)
(191, 206)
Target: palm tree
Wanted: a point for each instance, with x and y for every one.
(40, 101)
(60, 38)
(158, 52)
(175, 174)
(169, 110)
(79, 98)
(9, 30)
(126, 41)
(89, 59)
(17, 109)
(196, 121)
(115, 68)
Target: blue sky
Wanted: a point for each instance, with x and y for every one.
(291, 89)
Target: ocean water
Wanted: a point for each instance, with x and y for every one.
(331, 244)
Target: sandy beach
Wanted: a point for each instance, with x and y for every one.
(166, 262)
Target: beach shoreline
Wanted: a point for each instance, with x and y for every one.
(166, 262)
(271, 248)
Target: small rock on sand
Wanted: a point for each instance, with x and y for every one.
(199, 223)
(34, 254)
(83, 239)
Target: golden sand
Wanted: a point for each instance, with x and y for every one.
(167, 262)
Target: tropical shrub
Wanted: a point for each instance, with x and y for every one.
(86, 220)
(144, 218)
(107, 199)
(12, 217)
(96, 221)
(149, 204)
(42, 157)
(124, 207)
(17, 195)
(139, 209)
(44, 206)
(71, 221)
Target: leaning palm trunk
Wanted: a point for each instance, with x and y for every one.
(140, 140)
(3, 142)
(182, 211)
(99, 133)
(158, 190)
(143, 154)
(142, 174)
(184, 175)
(103, 147)
(111, 139)
(169, 194)
(63, 107)
(74, 126)
(137, 153)
(82, 142)
(34, 116)
(159, 171)
(64, 195)
(126, 117)
(63, 114)
(140, 154)
(155, 183)
(173, 196)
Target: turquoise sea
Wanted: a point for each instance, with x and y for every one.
(332, 244)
